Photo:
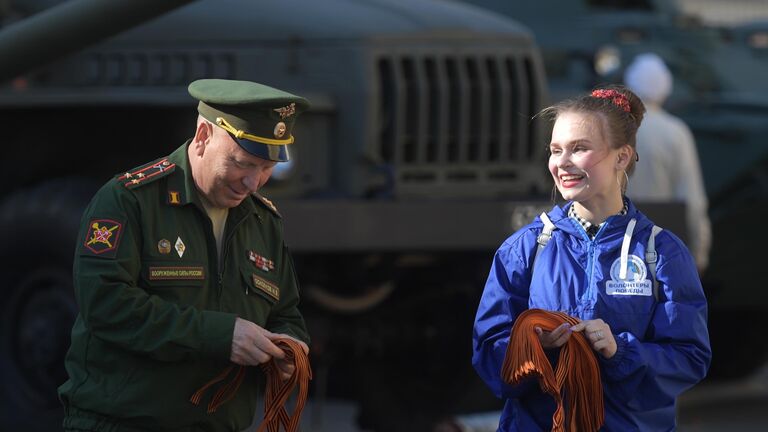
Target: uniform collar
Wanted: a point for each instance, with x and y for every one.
(181, 186)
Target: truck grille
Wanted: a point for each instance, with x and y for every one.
(460, 121)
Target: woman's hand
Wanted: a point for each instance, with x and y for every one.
(599, 335)
(556, 338)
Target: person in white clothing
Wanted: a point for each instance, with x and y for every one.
(668, 169)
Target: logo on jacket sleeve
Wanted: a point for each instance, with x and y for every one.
(103, 236)
(636, 282)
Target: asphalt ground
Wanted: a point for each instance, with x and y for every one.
(733, 406)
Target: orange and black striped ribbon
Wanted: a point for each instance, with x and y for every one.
(576, 380)
(278, 390)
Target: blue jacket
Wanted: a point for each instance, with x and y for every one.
(663, 346)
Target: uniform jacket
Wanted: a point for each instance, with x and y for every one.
(157, 310)
(663, 346)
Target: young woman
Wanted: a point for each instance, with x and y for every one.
(648, 332)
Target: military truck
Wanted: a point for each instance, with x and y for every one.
(718, 54)
(417, 159)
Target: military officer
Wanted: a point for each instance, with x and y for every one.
(181, 271)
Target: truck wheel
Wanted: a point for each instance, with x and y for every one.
(39, 228)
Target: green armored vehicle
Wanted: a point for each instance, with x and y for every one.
(417, 159)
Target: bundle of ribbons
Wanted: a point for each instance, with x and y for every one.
(278, 390)
(576, 380)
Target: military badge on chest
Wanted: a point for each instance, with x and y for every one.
(164, 246)
(180, 247)
(260, 262)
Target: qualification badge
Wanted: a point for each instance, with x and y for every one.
(180, 247)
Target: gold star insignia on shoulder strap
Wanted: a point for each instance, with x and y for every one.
(146, 173)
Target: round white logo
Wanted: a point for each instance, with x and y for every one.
(636, 270)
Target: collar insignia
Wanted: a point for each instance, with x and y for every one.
(174, 197)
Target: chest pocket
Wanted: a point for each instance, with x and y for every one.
(261, 294)
(630, 313)
(260, 286)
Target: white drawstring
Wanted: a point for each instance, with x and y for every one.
(625, 248)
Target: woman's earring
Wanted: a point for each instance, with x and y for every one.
(623, 188)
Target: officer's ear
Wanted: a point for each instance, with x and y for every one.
(203, 136)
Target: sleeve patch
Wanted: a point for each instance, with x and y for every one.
(102, 237)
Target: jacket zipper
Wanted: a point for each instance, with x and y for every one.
(225, 252)
(592, 299)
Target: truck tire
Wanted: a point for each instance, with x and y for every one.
(38, 228)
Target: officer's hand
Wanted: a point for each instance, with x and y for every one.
(275, 336)
(252, 345)
(599, 335)
(556, 338)
(287, 367)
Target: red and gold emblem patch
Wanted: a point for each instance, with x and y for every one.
(103, 236)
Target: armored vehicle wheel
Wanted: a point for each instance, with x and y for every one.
(38, 227)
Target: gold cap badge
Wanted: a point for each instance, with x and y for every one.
(286, 111)
(279, 130)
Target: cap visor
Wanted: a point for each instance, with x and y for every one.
(277, 153)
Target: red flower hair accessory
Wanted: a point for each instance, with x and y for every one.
(616, 98)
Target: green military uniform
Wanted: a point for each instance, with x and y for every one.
(158, 304)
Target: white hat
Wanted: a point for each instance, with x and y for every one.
(649, 78)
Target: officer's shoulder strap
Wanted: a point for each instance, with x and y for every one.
(146, 173)
(266, 203)
(651, 257)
